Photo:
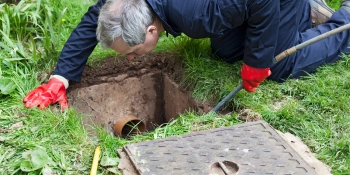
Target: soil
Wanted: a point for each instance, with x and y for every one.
(248, 115)
(146, 87)
(10, 2)
(119, 68)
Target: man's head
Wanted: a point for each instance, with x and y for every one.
(128, 27)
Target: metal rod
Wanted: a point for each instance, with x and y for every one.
(294, 49)
(323, 36)
(228, 97)
(283, 55)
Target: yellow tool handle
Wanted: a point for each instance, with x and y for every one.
(95, 161)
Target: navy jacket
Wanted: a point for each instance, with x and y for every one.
(196, 19)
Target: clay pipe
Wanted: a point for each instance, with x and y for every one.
(282, 55)
(128, 124)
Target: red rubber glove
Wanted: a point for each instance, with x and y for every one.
(52, 92)
(252, 77)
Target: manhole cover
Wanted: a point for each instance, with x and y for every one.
(250, 148)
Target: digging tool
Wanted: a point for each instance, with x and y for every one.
(281, 56)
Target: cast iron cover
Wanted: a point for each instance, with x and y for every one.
(249, 148)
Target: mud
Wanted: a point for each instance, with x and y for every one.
(247, 115)
(146, 87)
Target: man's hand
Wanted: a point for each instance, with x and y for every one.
(52, 92)
(252, 77)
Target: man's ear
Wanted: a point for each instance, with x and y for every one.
(152, 29)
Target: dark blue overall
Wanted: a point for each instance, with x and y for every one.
(252, 30)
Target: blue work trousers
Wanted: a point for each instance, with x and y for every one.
(295, 28)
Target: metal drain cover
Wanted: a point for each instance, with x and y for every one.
(249, 148)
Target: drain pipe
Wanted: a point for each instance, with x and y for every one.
(128, 125)
(284, 54)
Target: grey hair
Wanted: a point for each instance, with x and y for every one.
(125, 19)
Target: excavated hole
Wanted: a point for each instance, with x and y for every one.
(144, 88)
(152, 97)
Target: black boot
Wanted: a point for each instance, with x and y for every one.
(346, 5)
(320, 11)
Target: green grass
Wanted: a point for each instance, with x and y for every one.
(335, 4)
(314, 108)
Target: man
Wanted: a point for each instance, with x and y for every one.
(250, 30)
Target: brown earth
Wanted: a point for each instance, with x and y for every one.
(10, 1)
(102, 71)
(146, 87)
